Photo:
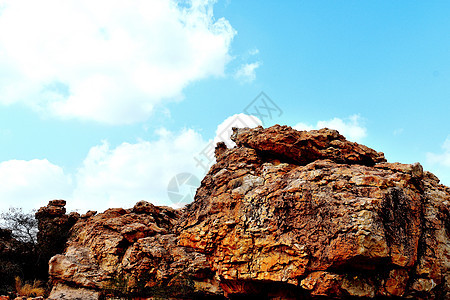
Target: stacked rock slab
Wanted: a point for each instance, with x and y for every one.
(285, 214)
(54, 227)
(122, 252)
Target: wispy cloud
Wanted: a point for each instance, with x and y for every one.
(253, 51)
(247, 72)
(398, 131)
(443, 158)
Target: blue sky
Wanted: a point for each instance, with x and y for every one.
(104, 103)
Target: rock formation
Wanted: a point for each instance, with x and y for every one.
(26, 259)
(285, 214)
(131, 251)
(54, 228)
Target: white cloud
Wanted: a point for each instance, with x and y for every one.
(225, 129)
(304, 126)
(108, 177)
(109, 61)
(350, 127)
(31, 183)
(247, 72)
(439, 163)
(116, 176)
(121, 176)
(443, 158)
(253, 51)
(206, 158)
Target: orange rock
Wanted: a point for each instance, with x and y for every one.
(286, 214)
(396, 283)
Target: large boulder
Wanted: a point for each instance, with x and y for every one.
(284, 214)
(125, 252)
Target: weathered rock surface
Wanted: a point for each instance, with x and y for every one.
(131, 251)
(303, 147)
(54, 227)
(286, 214)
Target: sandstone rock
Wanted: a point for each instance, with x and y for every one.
(89, 214)
(133, 251)
(284, 215)
(144, 207)
(322, 284)
(64, 292)
(278, 222)
(396, 283)
(54, 227)
(303, 147)
(55, 208)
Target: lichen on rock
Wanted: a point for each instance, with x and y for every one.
(285, 213)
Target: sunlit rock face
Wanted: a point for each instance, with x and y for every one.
(285, 214)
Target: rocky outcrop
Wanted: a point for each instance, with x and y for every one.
(26, 259)
(303, 147)
(285, 214)
(54, 226)
(133, 251)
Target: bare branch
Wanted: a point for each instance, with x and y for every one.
(24, 226)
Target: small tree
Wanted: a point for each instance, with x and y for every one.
(18, 244)
(24, 226)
